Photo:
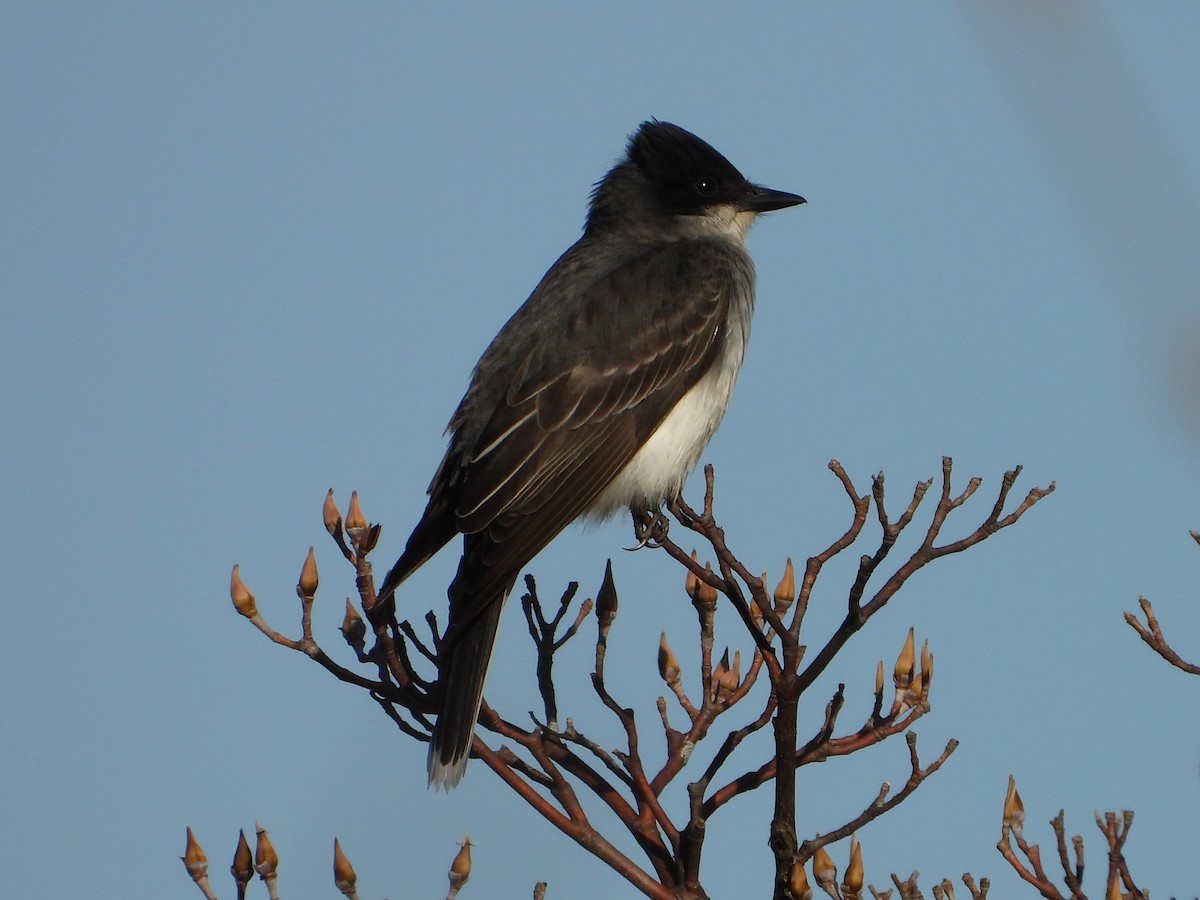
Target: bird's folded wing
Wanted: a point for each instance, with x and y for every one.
(640, 341)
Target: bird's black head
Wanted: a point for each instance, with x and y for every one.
(670, 171)
(687, 173)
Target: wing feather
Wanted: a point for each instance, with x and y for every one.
(569, 422)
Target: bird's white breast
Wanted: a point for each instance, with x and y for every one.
(657, 471)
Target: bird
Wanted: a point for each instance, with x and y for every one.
(598, 395)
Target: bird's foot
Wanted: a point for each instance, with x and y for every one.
(649, 529)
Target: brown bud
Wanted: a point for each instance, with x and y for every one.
(733, 676)
(756, 613)
(704, 598)
(718, 675)
(926, 668)
(1014, 809)
(266, 860)
(879, 678)
(353, 627)
(798, 882)
(243, 600)
(331, 515)
(852, 884)
(606, 598)
(356, 522)
(460, 869)
(242, 869)
(785, 591)
(903, 672)
(823, 868)
(1114, 887)
(193, 858)
(912, 694)
(344, 877)
(307, 586)
(691, 582)
(668, 665)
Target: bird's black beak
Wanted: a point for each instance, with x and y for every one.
(760, 199)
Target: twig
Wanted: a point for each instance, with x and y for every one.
(1152, 634)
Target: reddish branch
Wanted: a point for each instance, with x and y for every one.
(783, 665)
(1114, 827)
(1152, 634)
(1115, 830)
(555, 768)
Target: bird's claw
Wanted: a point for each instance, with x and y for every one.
(650, 532)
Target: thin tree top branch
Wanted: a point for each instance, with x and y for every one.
(1037, 877)
(1152, 634)
(711, 578)
(862, 506)
(310, 648)
(1072, 876)
(550, 754)
(924, 554)
(731, 742)
(882, 802)
(575, 737)
(389, 709)
(701, 723)
(817, 749)
(556, 780)
(499, 762)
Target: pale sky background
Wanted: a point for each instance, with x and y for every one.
(250, 252)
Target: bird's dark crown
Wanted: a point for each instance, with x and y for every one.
(688, 174)
(666, 173)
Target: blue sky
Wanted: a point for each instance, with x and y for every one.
(251, 252)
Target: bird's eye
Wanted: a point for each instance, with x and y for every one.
(706, 187)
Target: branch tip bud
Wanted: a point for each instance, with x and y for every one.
(785, 591)
(606, 597)
(690, 581)
(344, 876)
(307, 586)
(331, 515)
(266, 860)
(460, 868)
(798, 882)
(926, 667)
(193, 858)
(668, 665)
(704, 598)
(1014, 809)
(242, 869)
(733, 677)
(356, 522)
(852, 884)
(243, 600)
(353, 628)
(823, 868)
(902, 675)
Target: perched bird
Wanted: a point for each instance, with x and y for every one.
(599, 394)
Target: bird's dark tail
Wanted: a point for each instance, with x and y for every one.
(462, 670)
(432, 533)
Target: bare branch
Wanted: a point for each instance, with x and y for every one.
(1152, 634)
(543, 766)
(882, 802)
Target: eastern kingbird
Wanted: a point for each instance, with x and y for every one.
(598, 395)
